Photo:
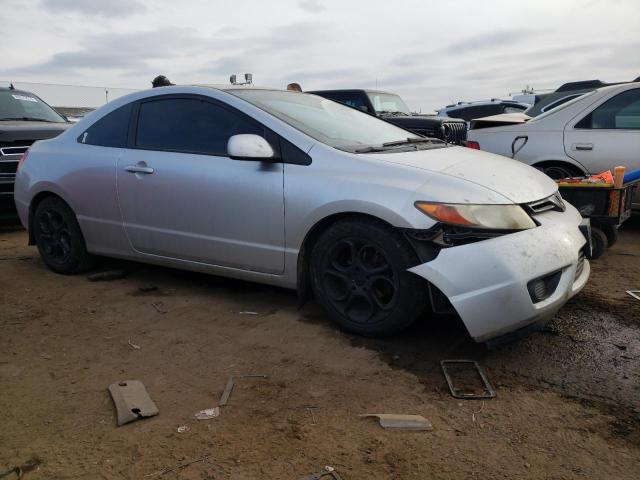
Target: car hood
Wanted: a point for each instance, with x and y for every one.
(11, 130)
(512, 180)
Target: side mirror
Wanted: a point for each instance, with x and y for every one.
(247, 146)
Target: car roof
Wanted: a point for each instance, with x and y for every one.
(493, 101)
(15, 90)
(344, 90)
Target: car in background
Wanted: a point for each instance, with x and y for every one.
(586, 135)
(566, 92)
(381, 224)
(471, 110)
(24, 119)
(391, 107)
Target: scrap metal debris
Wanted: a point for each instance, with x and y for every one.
(133, 345)
(159, 306)
(132, 401)
(184, 428)
(229, 387)
(327, 471)
(180, 466)
(401, 422)
(310, 409)
(634, 294)
(465, 392)
(208, 413)
(107, 275)
(32, 464)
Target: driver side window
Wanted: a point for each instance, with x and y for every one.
(189, 125)
(621, 112)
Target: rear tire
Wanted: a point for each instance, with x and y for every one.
(558, 170)
(59, 238)
(598, 243)
(359, 275)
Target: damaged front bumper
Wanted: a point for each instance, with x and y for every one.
(489, 283)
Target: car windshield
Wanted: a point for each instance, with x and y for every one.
(331, 123)
(388, 103)
(17, 105)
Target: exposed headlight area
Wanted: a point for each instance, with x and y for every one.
(462, 224)
(488, 217)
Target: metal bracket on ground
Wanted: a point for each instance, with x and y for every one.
(229, 387)
(488, 392)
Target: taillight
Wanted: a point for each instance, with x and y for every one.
(22, 159)
(473, 144)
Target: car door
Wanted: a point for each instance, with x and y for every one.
(608, 134)
(182, 197)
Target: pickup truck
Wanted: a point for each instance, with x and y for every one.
(391, 107)
(24, 118)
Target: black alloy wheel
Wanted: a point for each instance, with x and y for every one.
(359, 280)
(359, 275)
(59, 238)
(54, 236)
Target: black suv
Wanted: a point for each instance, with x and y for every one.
(24, 118)
(392, 108)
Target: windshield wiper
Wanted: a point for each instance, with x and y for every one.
(30, 119)
(412, 140)
(369, 150)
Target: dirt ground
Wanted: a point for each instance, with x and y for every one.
(567, 405)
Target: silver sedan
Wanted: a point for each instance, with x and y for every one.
(379, 224)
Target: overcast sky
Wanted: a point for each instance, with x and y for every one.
(430, 52)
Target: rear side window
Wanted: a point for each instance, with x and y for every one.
(621, 112)
(189, 125)
(110, 131)
(559, 102)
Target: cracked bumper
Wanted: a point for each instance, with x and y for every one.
(486, 282)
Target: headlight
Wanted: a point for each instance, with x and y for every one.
(498, 217)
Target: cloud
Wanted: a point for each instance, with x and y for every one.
(495, 39)
(105, 8)
(412, 47)
(312, 6)
(118, 51)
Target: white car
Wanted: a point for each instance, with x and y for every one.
(589, 134)
(295, 190)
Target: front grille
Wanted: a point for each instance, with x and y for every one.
(14, 150)
(6, 188)
(454, 132)
(554, 202)
(8, 168)
(580, 266)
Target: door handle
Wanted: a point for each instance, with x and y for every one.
(138, 169)
(583, 146)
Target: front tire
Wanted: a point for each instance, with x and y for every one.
(59, 238)
(359, 275)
